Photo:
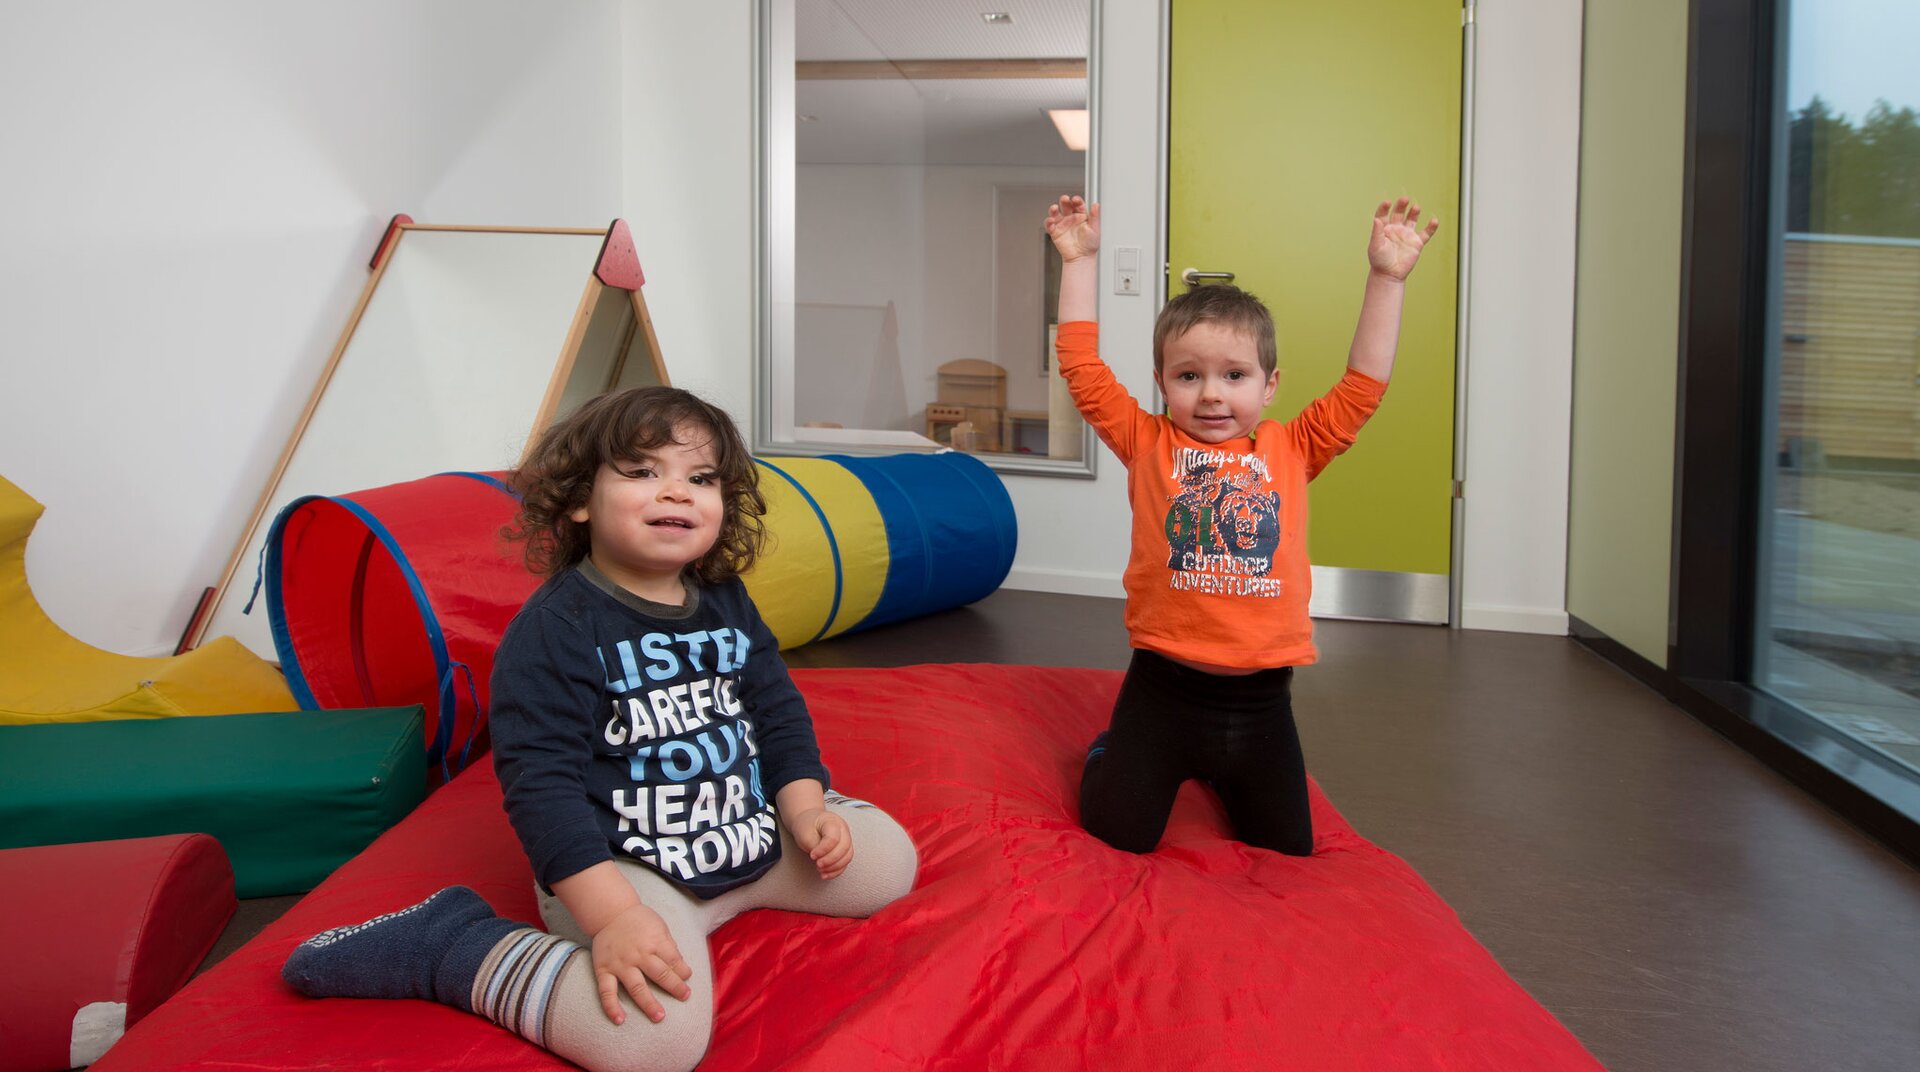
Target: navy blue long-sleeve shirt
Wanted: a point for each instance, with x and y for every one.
(624, 727)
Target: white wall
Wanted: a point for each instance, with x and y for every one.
(868, 234)
(1519, 309)
(190, 196)
(688, 187)
(859, 237)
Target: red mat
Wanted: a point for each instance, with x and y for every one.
(1026, 944)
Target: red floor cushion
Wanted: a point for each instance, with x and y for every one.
(1025, 944)
(94, 936)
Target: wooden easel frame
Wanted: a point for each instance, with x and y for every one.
(617, 267)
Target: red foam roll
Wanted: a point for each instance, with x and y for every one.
(94, 936)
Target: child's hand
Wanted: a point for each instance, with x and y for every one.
(1074, 227)
(1397, 238)
(824, 837)
(631, 949)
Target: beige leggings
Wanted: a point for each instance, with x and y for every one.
(883, 867)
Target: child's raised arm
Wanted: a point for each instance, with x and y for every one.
(1074, 227)
(1392, 252)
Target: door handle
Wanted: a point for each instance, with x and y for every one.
(1193, 276)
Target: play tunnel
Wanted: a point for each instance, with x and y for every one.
(399, 595)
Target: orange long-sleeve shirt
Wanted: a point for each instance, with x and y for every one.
(1219, 572)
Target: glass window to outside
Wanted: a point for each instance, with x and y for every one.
(910, 150)
(1839, 599)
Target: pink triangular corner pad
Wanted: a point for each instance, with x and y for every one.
(619, 265)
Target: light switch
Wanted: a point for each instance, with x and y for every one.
(1126, 270)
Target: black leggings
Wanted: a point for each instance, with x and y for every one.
(1172, 723)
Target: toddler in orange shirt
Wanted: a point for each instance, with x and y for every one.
(1218, 579)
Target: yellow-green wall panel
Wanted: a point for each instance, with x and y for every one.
(1627, 321)
(1288, 122)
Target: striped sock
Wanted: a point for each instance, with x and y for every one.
(514, 984)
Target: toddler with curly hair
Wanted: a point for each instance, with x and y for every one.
(657, 761)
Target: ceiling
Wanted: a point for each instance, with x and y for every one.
(936, 121)
(938, 29)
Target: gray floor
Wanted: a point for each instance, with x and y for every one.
(1677, 905)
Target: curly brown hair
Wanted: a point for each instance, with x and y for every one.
(556, 477)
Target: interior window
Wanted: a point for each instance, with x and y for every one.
(911, 150)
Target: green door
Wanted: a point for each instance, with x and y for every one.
(1288, 123)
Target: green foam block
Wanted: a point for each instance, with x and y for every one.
(290, 795)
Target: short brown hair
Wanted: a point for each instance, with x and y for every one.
(1223, 304)
(556, 477)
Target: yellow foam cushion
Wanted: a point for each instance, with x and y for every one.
(47, 675)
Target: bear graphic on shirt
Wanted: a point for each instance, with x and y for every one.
(1223, 516)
